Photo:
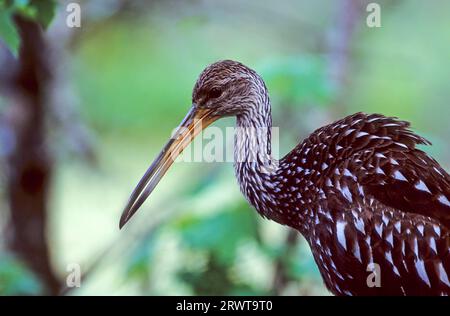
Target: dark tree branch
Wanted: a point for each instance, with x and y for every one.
(30, 162)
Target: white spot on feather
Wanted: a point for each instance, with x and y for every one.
(377, 118)
(346, 192)
(399, 176)
(359, 224)
(393, 162)
(389, 257)
(443, 199)
(340, 231)
(379, 171)
(398, 226)
(401, 145)
(437, 230)
(348, 132)
(361, 190)
(422, 186)
(396, 270)
(390, 239)
(379, 229)
(403, 290)
(438, 171)
(347, 173)
(385, 219)
(432, 244)
(361, 134)
(416, 247)
(442, 274)
(357, 252)
(420, 267)
(420, 228)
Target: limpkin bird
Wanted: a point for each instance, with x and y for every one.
(359, 190)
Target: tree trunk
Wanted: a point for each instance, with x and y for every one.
(30, 163)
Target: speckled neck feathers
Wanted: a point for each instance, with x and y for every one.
(253, 161)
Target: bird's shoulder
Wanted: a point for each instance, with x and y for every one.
(360, 132)
(371, 155)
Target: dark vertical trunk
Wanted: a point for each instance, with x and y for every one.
(30, 164)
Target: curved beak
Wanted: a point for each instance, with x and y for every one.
(194, 122)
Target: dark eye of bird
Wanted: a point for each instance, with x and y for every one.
(214, 93)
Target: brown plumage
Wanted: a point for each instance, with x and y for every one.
(359, 190)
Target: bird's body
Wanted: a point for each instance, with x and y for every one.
(362, 194)
(366, 199)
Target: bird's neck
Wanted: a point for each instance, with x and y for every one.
(254, 165)
(253, 138)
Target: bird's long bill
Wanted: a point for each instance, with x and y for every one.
(194, 122)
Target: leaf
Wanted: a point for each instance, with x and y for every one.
(45, 11)
(8, 32)
(41, 11)
(16, 279)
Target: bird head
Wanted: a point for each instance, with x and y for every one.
(228, 88)
(225, 88)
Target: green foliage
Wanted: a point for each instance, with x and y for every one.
(8, 32)
(44, 11)
(218, 237)
(137, 83)
(215, 279)
(301, 265)
(41, 11)
(299, 80)
(219, 234)
(142, 257)
(16, 279)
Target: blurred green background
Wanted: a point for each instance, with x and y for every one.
(123, 81)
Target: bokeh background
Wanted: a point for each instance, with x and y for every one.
(83, 111)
